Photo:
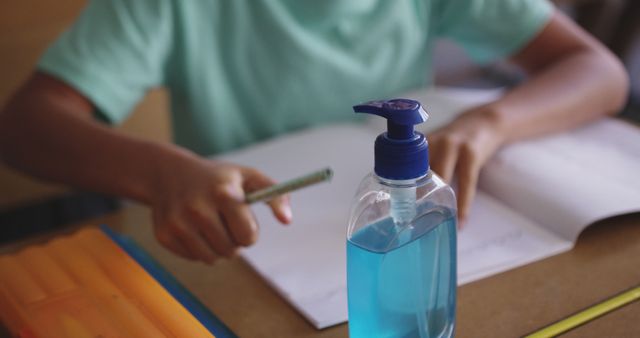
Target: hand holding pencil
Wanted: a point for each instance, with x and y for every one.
(201, 208)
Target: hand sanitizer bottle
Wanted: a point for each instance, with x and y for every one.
(401, 238)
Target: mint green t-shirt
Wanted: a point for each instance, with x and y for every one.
(239, 71)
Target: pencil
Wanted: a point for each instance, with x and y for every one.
(288, 186)
(588, 314)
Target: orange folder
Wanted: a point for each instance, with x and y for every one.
(86, 285)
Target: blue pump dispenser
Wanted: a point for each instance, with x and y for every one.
(401, 237)
(401, 153)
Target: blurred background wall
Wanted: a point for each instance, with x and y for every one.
(28, 26)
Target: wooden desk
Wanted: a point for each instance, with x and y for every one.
(605, 261)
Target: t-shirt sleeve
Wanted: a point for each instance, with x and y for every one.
(491, 29)
(113, 54)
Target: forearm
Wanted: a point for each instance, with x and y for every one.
(43, 136)
(573, 79)
(197, 206)
(581, 87)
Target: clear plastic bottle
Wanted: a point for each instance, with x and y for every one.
(401, 237)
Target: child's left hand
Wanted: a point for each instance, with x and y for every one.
(458, 151)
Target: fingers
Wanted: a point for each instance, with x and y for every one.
(193, 242)
(180, 234)
(173, 244)
(444, 156)
(280, 206)
(451, 158)
(238, 217)
(212, 228)
(467, 170)
(163, 235)
(200, 233)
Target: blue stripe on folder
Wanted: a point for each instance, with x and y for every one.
(182, 295)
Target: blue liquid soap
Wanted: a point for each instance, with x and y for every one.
(403, 287)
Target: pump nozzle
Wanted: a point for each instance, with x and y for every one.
(400, 153)
(401, 115)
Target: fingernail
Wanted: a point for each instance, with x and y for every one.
(286, 212)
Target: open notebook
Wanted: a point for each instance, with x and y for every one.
(535, 198)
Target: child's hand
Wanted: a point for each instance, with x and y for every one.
(459, 150)
(199, 211)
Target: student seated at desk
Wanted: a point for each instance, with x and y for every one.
(242, 71)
